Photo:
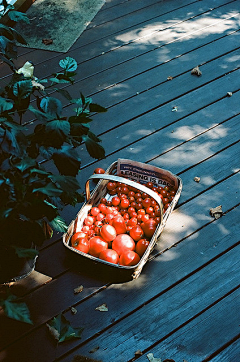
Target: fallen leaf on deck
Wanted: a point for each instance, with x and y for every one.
(74, 310)
(197, 179)
(102, 308)
(229, 94)
(138, 353)
(78, 289)
(61, 329)
(152, 358)
(216, 212)
(94, 349)
(169, 78)
(196, 71)
(47, 41)
(174, 109)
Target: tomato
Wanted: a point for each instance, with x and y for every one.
(89, 220)
(94, 211)
(99, 170)
(145, 217)
(109, 255)
(123, 242)
(77, 236)
(124, 203)
(108, 232)
(149, 209)
(100, 217)
(119, 224)
(141, 246)
(132, 221)
(115, 201)
(111, 185)
(97, 244)
(125, 190)
(149, 227)
(129, 258)
(146, 202)
(136, 233)
(103, 200)
(149, 185)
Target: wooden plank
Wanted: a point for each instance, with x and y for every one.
(196, 254)
(107, 45)
(230, 353)
(203, 335)
(163, 314)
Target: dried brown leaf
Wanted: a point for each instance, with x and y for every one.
(216, 212)
(102, 308)
(47, 41)
(138, 353)
(54, 332)
(170, 77)
(197, 179)
(196, 71)
(78, 289)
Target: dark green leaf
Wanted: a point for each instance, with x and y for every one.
(68, 64)
(94, 149)
(58, 128)
(5, 105)
(64, 93)
(67, 161)
(41, 116)
(16, 310)
(61, 329)
(23, 88)
(18, 16)
(68, 184)
(59, 80)
(26, 253)
(52, 106)
(93, 107)
(58, 224)
(50, 190)
(80, 119)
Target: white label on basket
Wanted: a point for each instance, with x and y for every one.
(138, 171)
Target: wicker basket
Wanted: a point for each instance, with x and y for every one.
(93, 199)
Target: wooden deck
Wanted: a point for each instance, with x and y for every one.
(185, 304)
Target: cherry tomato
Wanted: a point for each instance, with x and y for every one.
(129, 258)
(109, 255)
(115, 201)
(97, 244)
(149, 210)
(149, 227)
(89, 220)
(136, 233)
(111, 185)
(149, 185)
(124, 203)
(142, 246)
(145, 217)
(125, 190)
(123, 242)
(94, 211)
(132, 221)
(100, 217)
(99, 170)
(102, 207)
(103, 200)
(146, 202)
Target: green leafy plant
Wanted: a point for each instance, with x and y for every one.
(36, 137)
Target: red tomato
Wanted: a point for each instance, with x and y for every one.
(145, 217)
(119, 224)
(111, 185)
(149, 185)
(136, 233)
(116, 201)
(76, 237)
(146, 202)
(83, 245)
(123, 242)
(129, 258)
(149, 227)
(89, 220)
(124, 203)
(99, 170)
(109, 255)
(97, 244)
(108, 232)
(132, 221)
(141, 246)
(94, 211)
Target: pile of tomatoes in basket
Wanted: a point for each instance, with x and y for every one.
(119, 230)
